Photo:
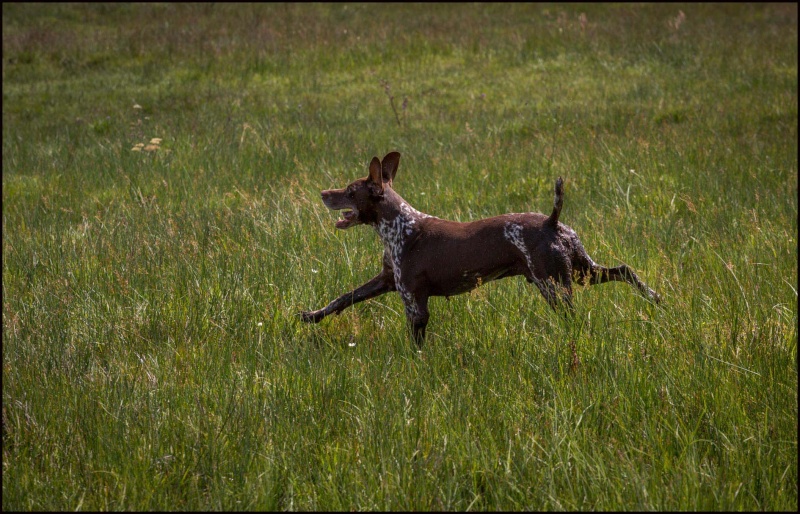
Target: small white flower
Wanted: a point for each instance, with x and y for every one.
(259, 324)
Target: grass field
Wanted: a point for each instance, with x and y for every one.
(152, 358)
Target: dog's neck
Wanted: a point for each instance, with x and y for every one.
(398, 222)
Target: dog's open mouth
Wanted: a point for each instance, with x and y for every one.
(349, 218)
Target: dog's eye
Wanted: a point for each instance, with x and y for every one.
(350, 194)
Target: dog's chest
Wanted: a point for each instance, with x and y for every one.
(396, 233)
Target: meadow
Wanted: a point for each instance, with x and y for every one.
(162, 227)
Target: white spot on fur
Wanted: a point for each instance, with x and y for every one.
(394, 234)
(513, 232)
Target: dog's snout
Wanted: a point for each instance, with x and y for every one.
(332, 198)
(326, 196)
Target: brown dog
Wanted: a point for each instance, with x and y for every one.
(426, 256)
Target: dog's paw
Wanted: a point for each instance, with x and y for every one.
(311, 316)
(655, 297)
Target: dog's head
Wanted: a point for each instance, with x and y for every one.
(362, 197)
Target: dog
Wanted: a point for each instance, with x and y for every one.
(427, 256)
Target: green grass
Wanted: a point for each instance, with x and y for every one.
(151, 354)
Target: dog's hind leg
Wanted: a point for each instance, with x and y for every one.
(585, 268)
(558, 295)
(622, 273)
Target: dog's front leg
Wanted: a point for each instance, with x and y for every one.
(382, 283)
(417, 316)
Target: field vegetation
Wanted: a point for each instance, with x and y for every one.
(162, 227)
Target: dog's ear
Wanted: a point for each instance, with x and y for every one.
(375, 176)
(389, 166)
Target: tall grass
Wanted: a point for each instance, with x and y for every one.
(152, 358)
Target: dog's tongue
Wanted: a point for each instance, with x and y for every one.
(346, 221)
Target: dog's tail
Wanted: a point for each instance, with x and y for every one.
(558, 201)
